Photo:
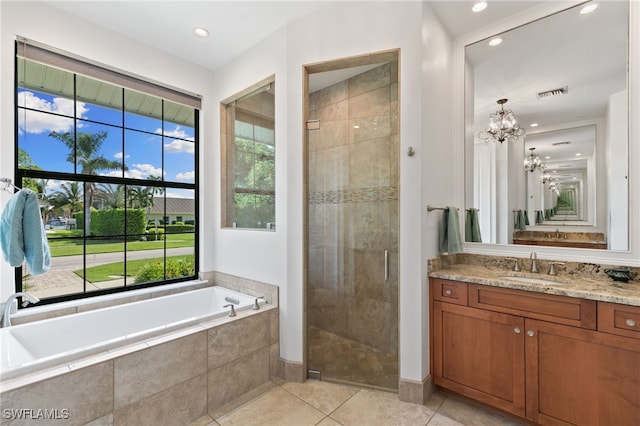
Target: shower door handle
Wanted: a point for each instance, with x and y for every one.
(386, 266)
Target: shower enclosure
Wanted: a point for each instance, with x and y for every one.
(352, 218)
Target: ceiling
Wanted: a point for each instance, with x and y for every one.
(235, 26)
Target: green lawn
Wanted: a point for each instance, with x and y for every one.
(74, 246)
(112, 271)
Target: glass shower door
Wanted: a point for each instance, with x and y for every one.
(352, 278)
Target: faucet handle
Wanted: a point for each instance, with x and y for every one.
(552, 267)
(232, 312)
(516, 265)
(255, 303)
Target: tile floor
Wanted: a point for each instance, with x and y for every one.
(322, 403)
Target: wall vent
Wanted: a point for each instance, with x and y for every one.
(561, 143)
(553, 92)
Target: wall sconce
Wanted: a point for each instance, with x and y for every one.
(502, 127)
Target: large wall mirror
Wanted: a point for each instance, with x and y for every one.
(565, 181)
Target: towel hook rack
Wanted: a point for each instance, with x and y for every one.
(7, 183)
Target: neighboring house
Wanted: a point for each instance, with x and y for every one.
(177, 210)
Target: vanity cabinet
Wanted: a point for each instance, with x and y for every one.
(538, 356)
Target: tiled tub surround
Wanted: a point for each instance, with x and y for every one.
(581, 280)
(171, 379)
(353, 214)
(39, 345)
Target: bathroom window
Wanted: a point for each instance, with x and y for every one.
(248, 156)
(111, 158)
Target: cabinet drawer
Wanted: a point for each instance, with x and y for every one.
(546, 307)
(623, 320)
(449, 291)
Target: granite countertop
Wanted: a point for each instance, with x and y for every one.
(585, 281)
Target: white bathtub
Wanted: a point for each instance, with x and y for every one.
(39, 345)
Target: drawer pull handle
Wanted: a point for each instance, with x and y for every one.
(630, 322)
(517, 330)
(531, 333)
(447, 292)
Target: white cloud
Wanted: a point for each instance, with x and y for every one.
(146, 169)
(178, 146)
(38, 122)
(136, 171)
(120, 155)
(186, 176)
(176, 133)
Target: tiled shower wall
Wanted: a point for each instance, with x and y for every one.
(353, 208)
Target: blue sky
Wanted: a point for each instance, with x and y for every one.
(143, 144)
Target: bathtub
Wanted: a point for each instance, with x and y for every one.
(40, 345)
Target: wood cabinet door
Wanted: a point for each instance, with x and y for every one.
(479, 354)
(581, 377)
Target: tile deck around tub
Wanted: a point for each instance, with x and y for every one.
(280, 403)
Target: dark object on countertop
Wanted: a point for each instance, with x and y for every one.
(619, 274)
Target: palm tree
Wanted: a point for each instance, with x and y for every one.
(84, 150)
(153, 190)
(109, 196)
(69, 197)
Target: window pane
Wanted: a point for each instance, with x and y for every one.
(105, 263)
(248, 165)
(102, 101)
(143, 155)
(37, 149)
(142, 112)
(179, 153)
(38, 79)
(98, 149)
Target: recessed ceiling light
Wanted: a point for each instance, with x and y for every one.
(495, 41)
(547, 157)
(479, 6)
(356, 126)
(589, 8)
(200, 32)
(533, 125)
(578, 154)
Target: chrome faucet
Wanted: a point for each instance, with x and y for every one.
(557, 233)
(6, 317)
(534, 262)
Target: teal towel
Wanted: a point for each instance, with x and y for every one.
(450, 236)
(472, 227)
(539, 216)
(22, 235)
(526, 218)
(519, 222)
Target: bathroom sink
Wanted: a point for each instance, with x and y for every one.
(531, 280)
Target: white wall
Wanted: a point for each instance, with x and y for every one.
(324, 37)
(45, 24)
(277, 257)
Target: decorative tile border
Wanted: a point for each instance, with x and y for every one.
(340, 196)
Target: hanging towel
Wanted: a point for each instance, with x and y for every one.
(450, 237)
(22, 235)
(539, 216)
(519, 223)
(526, 218)
(472, 227)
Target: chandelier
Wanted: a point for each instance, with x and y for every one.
(502, 127)
(545, 176)
(532, 162)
